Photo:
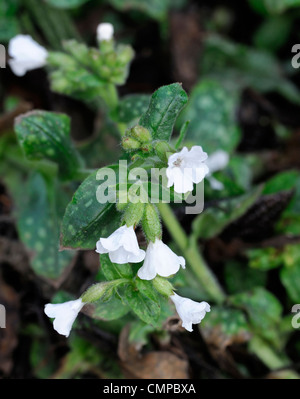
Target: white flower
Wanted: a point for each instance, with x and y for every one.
(64, 315)
(105, 31)
(189, 311)
(122, 246)
(161, 260)
(186, 168)
(218, 160)
(26, 54)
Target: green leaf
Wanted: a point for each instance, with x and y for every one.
(85, 219)
(131, 107)
(237, 67)
(273, 32)
(281, 182)
(113, 271)
(43, 363)
(108, 310)
(264, 312)
(212, 114)
(239, 277)
(46, 135)
(144, 306)
(230, 322)
(66, 3)
(264, 258)
(164, 107)
(213, 220)
(156, 9)
(290, 274)
(146, 288)
(279, 6)
(38, 227)
(290, 278)
(289, 220)
(9, 25)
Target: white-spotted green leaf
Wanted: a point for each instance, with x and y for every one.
(114, 271)
(143, 301)
(163, 110)
(211, 111)
(46, 135)
(38, 227)
(86, 219)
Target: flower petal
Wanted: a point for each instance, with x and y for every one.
(161, 260)
(105, 31)
(26, 54)
(64, 315)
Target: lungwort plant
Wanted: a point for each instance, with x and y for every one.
(124, 210)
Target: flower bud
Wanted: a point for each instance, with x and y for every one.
(141, 133)
(146, 148)
(133, 213)
(97, 291)
(130, 144)
(125, 54)
(163, 286)
(151, 223)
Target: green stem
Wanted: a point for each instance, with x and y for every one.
(109, 94)
(191, 253)
(182, 134)
(270, 358)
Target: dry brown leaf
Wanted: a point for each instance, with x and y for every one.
(218, 344)
(150, 365)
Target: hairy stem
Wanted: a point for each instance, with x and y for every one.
(191, 253)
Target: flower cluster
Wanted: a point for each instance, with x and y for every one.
(26, 54)
(184, 169)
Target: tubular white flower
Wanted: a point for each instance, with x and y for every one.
(105, 31)
(26, 54)
(189, 311)
(218, 160)
(122, 246)
(161, 260)
(186, 168)
(64, 315)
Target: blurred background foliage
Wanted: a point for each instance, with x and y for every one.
(234, 60)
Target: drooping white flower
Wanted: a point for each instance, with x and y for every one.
(105, 31)
(218, 160)
(64, 314)
(186, 168)
(26, 54)
(161, 260)
(189, 311)
(122, 246)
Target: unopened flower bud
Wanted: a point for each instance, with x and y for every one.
(151, 223)
(163, 286)
(130, 144)
(141, 133)
(133, 213)
(97, 291)
(125, 54)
